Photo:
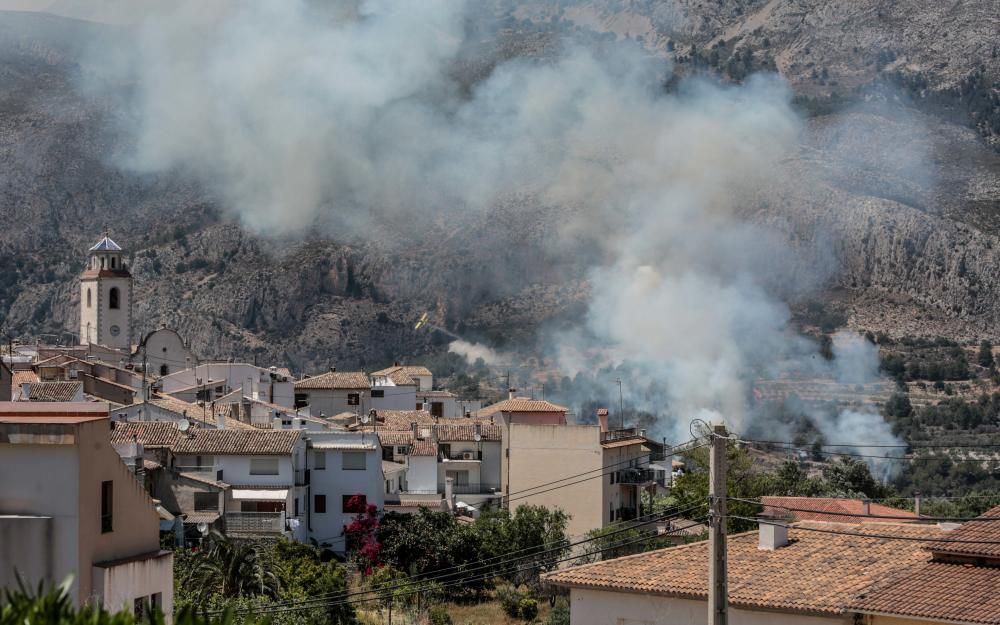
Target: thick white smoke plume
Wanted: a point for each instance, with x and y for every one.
(475, 351)
(300, 116)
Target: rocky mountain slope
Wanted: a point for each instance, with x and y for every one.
(904, 199)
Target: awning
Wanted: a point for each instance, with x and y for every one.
(260, 495)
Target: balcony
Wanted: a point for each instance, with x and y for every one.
(620, 435)
(637, 475)
(625, 514)
(464, 456)
(255, 523)
(472, 488)
(302, 477)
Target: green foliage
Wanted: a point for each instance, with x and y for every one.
(607, 542)
(559, 615)
(23, 606)
(438, 615)
(232, 569)
(985, 356)
(850, 477)
(528, 608)
(390, 584)
(509, 599)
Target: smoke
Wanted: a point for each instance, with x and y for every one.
(351, 119)
(474, 351)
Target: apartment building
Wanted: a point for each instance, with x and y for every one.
(334, 392)
(70, 506)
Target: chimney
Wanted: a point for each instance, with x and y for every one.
(413, 428)
(333, 369)
(866, 507)
(220, 421)
(773, 533)
(602, 418)
(395, 363)
(449, 492)
(511, 392)
(916, 502)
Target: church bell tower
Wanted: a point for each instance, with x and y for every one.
(106, 298)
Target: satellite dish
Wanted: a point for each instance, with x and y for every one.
(183, 425)
(478, 437)
(203, 528)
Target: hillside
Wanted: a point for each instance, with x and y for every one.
(903, 200)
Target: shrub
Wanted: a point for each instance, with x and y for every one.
(438, 615)
(510, 600)
(559, 614)
(528, 608)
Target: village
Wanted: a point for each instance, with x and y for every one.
(125, 456)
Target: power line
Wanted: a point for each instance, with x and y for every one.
(506, 558)
(313, 604)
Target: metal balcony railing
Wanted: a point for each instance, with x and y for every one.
(618, 435)
(473, 488)
(255, 522)
(636, 475)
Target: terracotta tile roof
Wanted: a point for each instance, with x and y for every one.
(424, 448)
(447, 433)
(624, 442)
(335, 380)
(974, 530)
(938, 591)
(521, 404)
(19, 377)
(402, 419)
(831, 509)
(238, 442)
(149, 433)
(408, 370)
(815, 572)
(54, 391)
(194, 412)
(395, 437)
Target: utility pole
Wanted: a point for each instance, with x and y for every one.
(621, 405)
(717, 587)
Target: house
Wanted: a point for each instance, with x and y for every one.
(248, 482)
(833, 509)
(69, 506)
(445, 404)
(525, 410)
(166, 408)
(810, 573)
(210, 381)
(419, 376)
(19, 377)
(396, 389)
(540, 457)
(956, 583)
(345, 476)
(334, 392)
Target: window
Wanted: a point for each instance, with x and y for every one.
(388, 487)
(139, 605)
(156, 601)
(354, 504)
(301, 400)
(437, 409)
(378, 392)
(88, 298)
(102, 262)
(459, 478)
(113, 298)
(113, 262)
(263, 466)
(354, 460)
(353, 399)
(206, 502)
(107, 506)
(164, 370)
(319, 504)
(319, 460)
(296, 507)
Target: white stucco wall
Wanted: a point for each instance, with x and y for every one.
(27, 487)
(119, 585)
(593, 607)
(335, 483)
(395, 397)
(331, 402)
(236, 471)
(422, 474)
(164, 347)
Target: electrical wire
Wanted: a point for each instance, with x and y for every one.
(869, 516)
(327, 604)
(507, 558)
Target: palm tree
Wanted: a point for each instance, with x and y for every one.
(234, 569)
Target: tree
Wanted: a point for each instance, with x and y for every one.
(231, 569)
(362, 536)
(849, 477)
(302, 574)
(532, 531)
(985, 354)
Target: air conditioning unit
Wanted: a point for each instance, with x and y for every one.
(468, 455)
